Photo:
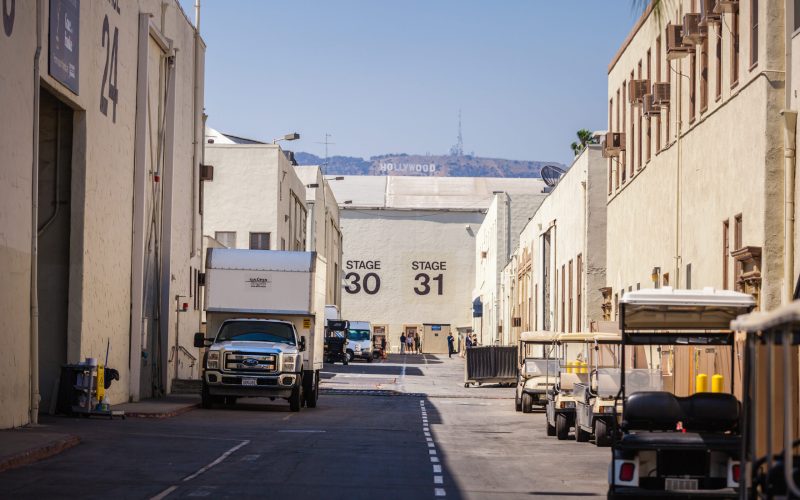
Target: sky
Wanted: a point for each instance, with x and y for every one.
(391, 76)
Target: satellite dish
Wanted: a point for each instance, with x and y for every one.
(551, 175)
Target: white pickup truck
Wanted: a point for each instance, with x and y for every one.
(261, 309)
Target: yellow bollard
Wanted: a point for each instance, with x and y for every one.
(717, 383)
(701, 383)
(584, 367)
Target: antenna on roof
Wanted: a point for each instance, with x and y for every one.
(326, 143)
(551, 175)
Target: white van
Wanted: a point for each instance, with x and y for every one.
(359, 341)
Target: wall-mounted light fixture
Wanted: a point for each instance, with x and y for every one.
(655, 276)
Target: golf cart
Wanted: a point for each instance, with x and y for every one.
(336, 341)
(572, 369)
(666, 445)
(532, 379)
(769, 454)
(595, 405)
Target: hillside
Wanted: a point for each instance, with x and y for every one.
(426, 165)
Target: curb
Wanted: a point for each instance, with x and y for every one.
(36, 454)
(161, 415)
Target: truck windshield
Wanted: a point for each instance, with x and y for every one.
(357, 335)
(257, 331)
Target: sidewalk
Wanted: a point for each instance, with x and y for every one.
(167, 407)
(25, 446)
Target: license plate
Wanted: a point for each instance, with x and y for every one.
(249, 381)
(680, 484)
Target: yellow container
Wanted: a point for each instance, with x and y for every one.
(569, 367)
(717, 383)
(701, 383)
(584, 367)
(101, 386)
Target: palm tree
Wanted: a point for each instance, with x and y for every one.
(584, 137)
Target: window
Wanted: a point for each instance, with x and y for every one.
(734, 49)
(283, 243)
(616, 307)
(704, 75)
(633, 138)
(571, 305)
(624, 154)
(658, 79)
(669, 106)
(259, 241)
(639, 129)
(753, 33)
(227, 238)
(726, 251)
(718, 54)
(796, 14)
(610, 129)
(692, 85)
(737, 244)
(579, 292)
(649, 122)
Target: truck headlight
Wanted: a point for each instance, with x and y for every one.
(290, 362)
(213, 360)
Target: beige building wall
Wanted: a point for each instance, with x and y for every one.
(555, 275)
(323, 233)
(94, 232)
(713, 155)
(255, 190)
(496, 238)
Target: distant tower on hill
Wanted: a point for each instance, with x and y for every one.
(458, 149)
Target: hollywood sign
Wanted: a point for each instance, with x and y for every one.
(407, 167)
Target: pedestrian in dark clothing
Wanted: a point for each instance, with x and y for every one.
(417, 345)
(402, 343)
(468, 342)
(450, 349)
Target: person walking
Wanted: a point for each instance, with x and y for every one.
(417, 345)
(383, 347)
(410, 343)
(402, 343)
(450, 349)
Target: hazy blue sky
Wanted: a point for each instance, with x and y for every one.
(390, 76)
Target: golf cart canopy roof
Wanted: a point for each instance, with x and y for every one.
(788, 315)
(602, 338)
(669, 309)
(538, 337)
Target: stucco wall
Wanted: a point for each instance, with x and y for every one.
(102, 193)
(397, 238)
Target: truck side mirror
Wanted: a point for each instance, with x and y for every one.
(302, 344)
(199, 339)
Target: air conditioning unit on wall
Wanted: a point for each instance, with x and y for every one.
(726, 6)
(707, 13)
(614, 144)
(693, 31)
(637, 90)
(649, 107)
(675, 47)
(661, 93)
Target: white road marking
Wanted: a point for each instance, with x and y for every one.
(217, 461)
(438, 480)
(427, 434)
(249, 458)
(429, 439)
(439, 492)
(437, 469)
(434, 459)
(304, 431)
(431, 445)
(432, 452)
(164, 493)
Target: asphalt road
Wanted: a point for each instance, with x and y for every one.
(405, 428)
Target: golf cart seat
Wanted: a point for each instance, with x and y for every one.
(651, 411)
(710, 412)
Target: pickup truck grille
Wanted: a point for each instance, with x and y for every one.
(251, 362)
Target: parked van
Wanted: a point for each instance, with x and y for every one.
(359, 341)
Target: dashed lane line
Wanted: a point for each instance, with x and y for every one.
(438, 478)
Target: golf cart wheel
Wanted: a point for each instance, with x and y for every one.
(562, 427)
(349, 356)
(369, 358)
(527, 403)
(466, 385)
(581, 435)
(517, 402)
(601, 436)
(551, 429)
(296, 399)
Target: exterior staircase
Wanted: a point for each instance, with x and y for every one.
(186, 386)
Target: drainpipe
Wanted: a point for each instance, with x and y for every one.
(197, 16)
(34, 298)
(789, 166)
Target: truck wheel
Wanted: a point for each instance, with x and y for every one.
(349, 355)
(206, 399)
(551, 429)
(296, 399)
(527, 403)
(581, 436)
(369, 358)
(562, 427)
(601, 436)
(313, 394)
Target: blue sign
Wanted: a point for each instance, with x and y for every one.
(477, 308)
(65, 42)
(436, 328)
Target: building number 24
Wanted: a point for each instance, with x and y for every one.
(371, 283)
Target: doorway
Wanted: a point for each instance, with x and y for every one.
(54, 229)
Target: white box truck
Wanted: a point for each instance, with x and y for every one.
(264, 336)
